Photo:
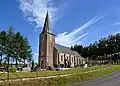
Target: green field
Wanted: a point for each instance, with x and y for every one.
(65, 81)
(17, 75)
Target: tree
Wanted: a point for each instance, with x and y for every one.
(105, 49)
(72, 48)
(17, 47)
(3, 43)
(26, 51)
(9, 49)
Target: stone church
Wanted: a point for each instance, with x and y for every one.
(54, 55)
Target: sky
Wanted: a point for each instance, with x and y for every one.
(72, 21)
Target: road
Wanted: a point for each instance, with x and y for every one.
(110, 80)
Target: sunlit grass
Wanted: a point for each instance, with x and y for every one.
(65, 81)
(17, 75)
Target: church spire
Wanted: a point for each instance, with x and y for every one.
(47, 23)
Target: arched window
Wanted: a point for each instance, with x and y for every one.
(72, 59)
(62, 58)
(67, 57)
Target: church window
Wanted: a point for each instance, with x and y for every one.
(72, 59)
(42, 53)
(67, 58)
(61, 58)
(43, 38)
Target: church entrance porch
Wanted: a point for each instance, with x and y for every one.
(43, 64)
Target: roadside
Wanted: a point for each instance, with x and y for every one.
(102, 78)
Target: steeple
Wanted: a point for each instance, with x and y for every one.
(46, 27)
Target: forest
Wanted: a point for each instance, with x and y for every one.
(104, 50)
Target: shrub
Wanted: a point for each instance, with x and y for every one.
(12, 69)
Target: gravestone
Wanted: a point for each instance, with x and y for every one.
(86, 65)
(27, 69)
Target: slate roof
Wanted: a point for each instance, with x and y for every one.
(67, 50)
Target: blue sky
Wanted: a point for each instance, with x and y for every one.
(72, 21)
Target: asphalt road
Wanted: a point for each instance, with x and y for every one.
(110, 80)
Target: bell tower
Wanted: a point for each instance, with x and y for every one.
(46, 45)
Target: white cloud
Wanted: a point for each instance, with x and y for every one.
(116, 23)
(72, 38)
(36, 54)
(35, 10)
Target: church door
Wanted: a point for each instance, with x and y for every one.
(42, 64)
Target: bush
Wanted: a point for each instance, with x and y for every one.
(12, 69)
(61, 65)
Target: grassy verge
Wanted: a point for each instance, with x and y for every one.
(47, 73)
(64, 81)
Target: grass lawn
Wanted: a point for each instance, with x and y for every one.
(64, 81)
(47, 73)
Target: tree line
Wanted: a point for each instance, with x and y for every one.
(14, 47)
(105, 49)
